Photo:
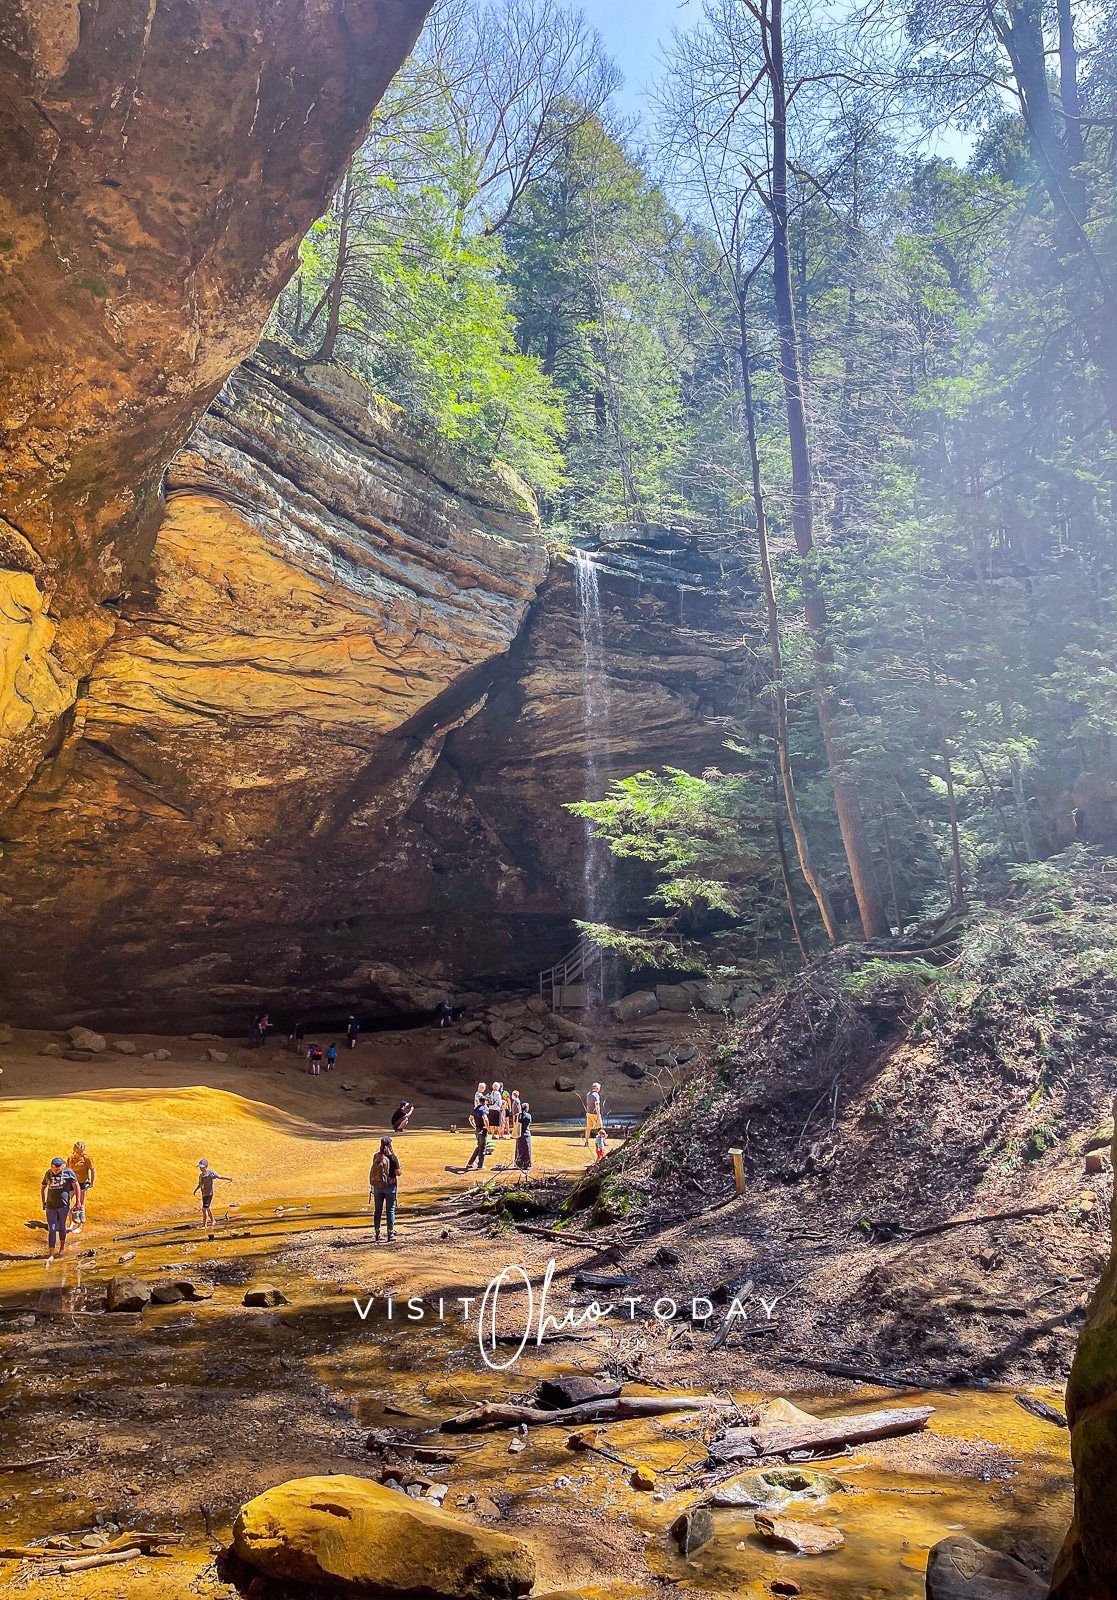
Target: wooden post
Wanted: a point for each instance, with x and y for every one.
(738, 1169)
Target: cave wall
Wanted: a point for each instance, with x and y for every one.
(159, 162)
(321, 761)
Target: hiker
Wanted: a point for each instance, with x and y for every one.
(599, 1144)
(352, 1029)
(331, 1057)
(514, 1114)
(314, 1060)
(264, 1026)
(401, 1116)
(60, 1191)
(479, 1119)
(296, 1036)
(383, 1182)
(523, 1139)
(496, 1105)
(445, 1013)
(506, 1129)
(593, 1112)
(481, 1094)
(204, 1186)
(82, 1168)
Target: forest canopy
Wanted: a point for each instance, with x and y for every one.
(777, 316)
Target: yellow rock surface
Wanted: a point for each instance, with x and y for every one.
(357, 1536)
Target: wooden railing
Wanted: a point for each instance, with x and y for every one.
(581, 969)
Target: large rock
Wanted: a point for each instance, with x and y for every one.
(127, 1294)
(355, 1537)
(959, 1568)
(641, 1003)
(86, 1039)
(525, 1048)
(1086, 1568)
(569, 1032)
(159, 164)
(678, 996)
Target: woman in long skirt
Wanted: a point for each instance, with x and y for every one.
(523, 1139)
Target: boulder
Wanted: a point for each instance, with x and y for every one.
(741, 1003)
(642, 1478)
(959, 1568)
(498, 1031)
(216, 1055)
(455, 1047)
(195, 1288)
(556, 1394)
(354, 1537)
(687, 1053)
(771, 1488)
(567, 1051)
(792, 1533)
(525, 1047)
(538, 1006)
(470, 1027)
(127, 1294)
(641, 1003)
(51, 1050)
(123, 1047)
(565, 1085)
(166, 1294)
(677, 996)
(568, 1031)
(634, 1069)
(265, 1294)
(86, 1039)
(157, 1055)
(715, 996)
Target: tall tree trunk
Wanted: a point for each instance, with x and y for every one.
(783, 748)
(897, 918)
(957, 894)
(874, 921)
(335, 294)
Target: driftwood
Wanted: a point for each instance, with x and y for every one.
(104, 1558)
(827, 1433)
(137, 1543)
(484, 1417)
(26, 1466)
(1040, 1409)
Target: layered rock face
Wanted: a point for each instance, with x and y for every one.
(1087, 1564)
(326, 600)
(322, 761)
(159, 162)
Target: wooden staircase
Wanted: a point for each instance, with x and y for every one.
(576, 980)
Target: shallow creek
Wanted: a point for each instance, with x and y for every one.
(168, 1420)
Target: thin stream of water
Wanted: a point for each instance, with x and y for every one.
(596, 723)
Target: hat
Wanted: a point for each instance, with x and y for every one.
(203, 1163)
(57, 1161)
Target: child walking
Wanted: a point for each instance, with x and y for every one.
(204, 1186)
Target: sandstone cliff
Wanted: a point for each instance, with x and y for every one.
(1087, 1564)
(159, 162)
(322, 760)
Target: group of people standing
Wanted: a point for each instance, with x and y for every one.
(65, 1191)
(499, 1113)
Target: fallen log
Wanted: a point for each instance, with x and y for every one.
(827, 1433)
(108, 1558)
(623, 1407)
(601, 1280)
(1041, 1409)
(26, 1466)
(582, 1240)
(973, 1221)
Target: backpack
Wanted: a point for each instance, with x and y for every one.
(382, 1169)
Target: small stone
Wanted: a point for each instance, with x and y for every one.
(123, 1047)
(79, 1055)
(129, 1255)
(456, 1047)
(162, 1055)
(128, 1294)
(1094, 1162)
(202, 1037)
(516, 1446)
(166, 1294)
(784, 1586)
(216, 1055)
(792, 1533)
(51, 1050)
(688, 1053)
(86, 1039)
(94, 1541)
(643, 1478)
(265, 1294)
(563, 1483)
(349, 1087)
(693, 1529)
(666, 1257)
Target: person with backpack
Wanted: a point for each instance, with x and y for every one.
(523, 1138)
(479, 1119)
(60, 1191)
(82, 1168)
(204, 1187)
(314, 1060)
(331, 1057)
(383, 1179)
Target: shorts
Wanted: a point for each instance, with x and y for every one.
(593, 1121)
(494, 1117)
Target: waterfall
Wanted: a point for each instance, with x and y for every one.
(595, 731)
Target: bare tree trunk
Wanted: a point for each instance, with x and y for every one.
(957, 895)
(874, 921)
(896, 917)
(1022, 808)
(335, 294)
(792, 908)
(783, 749)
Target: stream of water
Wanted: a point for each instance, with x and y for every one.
(596, 719)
